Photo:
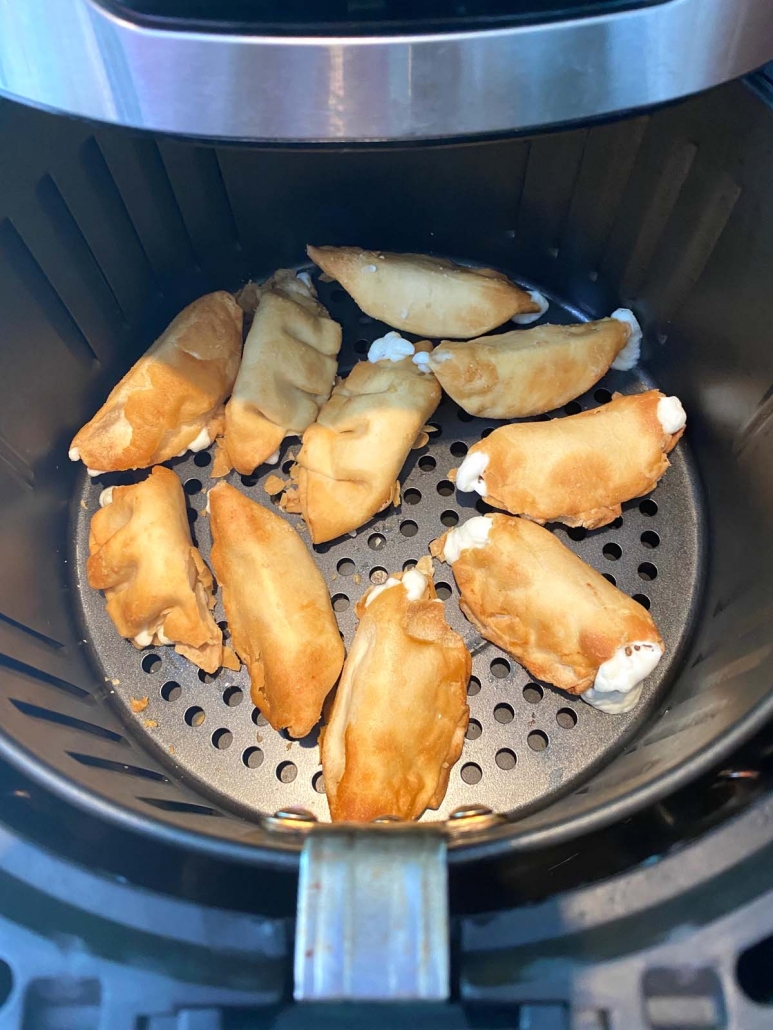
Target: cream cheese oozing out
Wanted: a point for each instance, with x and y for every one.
(629, 355)
(618, 684)
(375, 591)
(421, 360)
(472, 534)
(145, 637)
(95, 472)
(273, 458)
(527, 317)
(414, 582)
(74, 454)
(469, 478)
(200, 443)
(391, 347)
(305, 278)
(106, 497)
(671, 414)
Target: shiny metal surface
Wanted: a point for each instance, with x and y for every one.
(372, 916)
(72, 55)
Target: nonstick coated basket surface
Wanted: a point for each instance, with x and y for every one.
(527, 743)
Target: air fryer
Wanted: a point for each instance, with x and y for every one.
(107, 232)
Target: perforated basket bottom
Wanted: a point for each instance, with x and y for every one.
(527, 742)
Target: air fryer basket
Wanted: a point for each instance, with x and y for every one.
(106, 234)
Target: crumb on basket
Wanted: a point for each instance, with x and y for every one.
(357, 578)
(171, 749)
(139, 704)
(274, 484)
(116, 683)
(290, 501)
(84, 505)
(150, 724)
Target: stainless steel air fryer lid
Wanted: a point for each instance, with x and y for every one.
(331, 70)
(107, 234)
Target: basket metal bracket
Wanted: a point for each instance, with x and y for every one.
(373, 916)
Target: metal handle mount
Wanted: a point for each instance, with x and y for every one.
(373, 916)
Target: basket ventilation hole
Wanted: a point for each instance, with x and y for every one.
(537, 740)
(252, 757)
(194, 716)
(286, 772)
(500, 667)
(474, 729)
(566, 718)
(171, 691)
(505, 759)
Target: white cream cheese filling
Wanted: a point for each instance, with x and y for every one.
(469, 478)
(618, 683)
(671, 414)
(472, 534)
(629, 355)
(414, 582)
(531, 316)
(391, 347)
(145, 637)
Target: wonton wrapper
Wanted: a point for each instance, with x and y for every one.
(424, 295)
(286, 375)
(527, 371)
(172, 397)
(158, 589)
(533, 597)
(580, 469)
(278, 610)
(351, 456)
(400, 712)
